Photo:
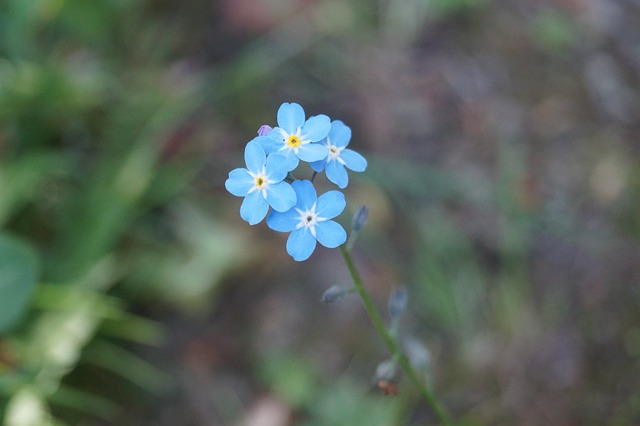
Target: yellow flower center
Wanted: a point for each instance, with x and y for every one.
(294, 141)
(260, 182)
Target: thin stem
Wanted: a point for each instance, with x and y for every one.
(392, 345)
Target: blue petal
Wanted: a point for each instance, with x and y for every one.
(337, 174)
(254, 156)
(277, 166)
(330, 204)
(312, 152)
(318, 166)
(291, 158)
(283, 222)
(330, 234)
(254, 208)
(306, 194)
(301, 244)
(316, 128)
(353, 160)
(276, 134)
(239, 182)
(281, 196)
(268, 143)
(340, 134)
(290, 117)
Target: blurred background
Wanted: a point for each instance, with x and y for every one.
(503, 188)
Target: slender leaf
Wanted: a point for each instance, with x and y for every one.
(18, 275)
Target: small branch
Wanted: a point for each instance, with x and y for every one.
(392, 345)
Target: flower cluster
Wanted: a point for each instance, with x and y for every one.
(267, 182)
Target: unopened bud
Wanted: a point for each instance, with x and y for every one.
(335, 294)
(264, 130)
(418, 354)
(387, 370)
(386, 378)
(397, 302)
(359, 218)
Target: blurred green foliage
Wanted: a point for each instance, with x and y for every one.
(341, 403)
(88, 122)
(18, 276)
(554, 31)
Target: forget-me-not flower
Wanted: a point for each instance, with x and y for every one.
(310, 220)
(339, 156)
(261, 183)
(294, 137)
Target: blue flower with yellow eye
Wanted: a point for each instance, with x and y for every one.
(339, 156)
(294, 137)
(261, 184)
(310, 220)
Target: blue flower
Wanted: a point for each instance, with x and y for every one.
(294, 136)
(339, 156)
(310, 221)
(261, 183)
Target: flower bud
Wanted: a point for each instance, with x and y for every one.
(335, 294)
(386, 378)
(359, 218)
(264, 130)
(418, 354)
(397, 302)
(387, 370)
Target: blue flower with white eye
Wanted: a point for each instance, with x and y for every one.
(294, 137)
(339, 156)
(261, 183)
(310, 220)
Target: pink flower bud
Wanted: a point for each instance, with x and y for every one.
(264, 130)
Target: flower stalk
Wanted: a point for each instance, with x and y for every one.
(390, 342)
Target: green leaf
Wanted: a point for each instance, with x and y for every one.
(84, 402)
(18, 275)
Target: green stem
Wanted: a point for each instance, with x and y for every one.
(393, 346)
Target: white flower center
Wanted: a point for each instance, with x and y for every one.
(309, 219)
(334, 152)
